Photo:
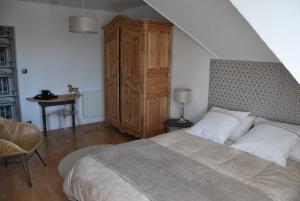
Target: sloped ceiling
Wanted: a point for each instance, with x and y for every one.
(217, 26)
(278, 24)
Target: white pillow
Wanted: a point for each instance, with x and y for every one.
(295, 154)
(218, 124)
(292, 127)
(268, 141)
(242, 129)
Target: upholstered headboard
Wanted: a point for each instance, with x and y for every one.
(265, 89)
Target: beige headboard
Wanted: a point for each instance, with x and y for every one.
(265, 89)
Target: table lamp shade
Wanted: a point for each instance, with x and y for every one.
(182, 95)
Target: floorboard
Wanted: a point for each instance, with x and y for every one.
(47, 184)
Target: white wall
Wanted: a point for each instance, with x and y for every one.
(54, 57)
(278, 24)
(190, 66)
(216, 25)
(190, 69)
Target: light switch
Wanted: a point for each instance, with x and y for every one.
(24, 71)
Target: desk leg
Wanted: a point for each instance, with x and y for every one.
(73, 116)
(44, 120)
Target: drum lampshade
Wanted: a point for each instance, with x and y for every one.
(182, 95)
(83, 24)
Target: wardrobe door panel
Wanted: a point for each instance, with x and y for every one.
(152, 49)
(152, 113)
(157, 81)
(112, 76)
(131, 80)
(157, 112)
(157, 65)
(165, 50)
(157, 49)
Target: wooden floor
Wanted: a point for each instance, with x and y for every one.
(47, 184)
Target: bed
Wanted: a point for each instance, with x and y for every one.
(184, 167)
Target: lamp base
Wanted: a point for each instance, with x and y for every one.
(182, 120)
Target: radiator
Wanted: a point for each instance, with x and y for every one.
(92, 103)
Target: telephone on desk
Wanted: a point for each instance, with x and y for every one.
(45, 95)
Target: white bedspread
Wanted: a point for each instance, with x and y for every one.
(89, 180)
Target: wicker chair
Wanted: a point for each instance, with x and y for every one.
(19, 139)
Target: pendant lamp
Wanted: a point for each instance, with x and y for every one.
(83, 24)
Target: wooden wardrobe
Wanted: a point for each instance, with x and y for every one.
(137, 75)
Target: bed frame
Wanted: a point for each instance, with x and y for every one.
(265, 89)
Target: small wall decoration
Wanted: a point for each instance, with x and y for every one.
(73, 89)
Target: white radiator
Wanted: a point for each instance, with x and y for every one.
(92, 103)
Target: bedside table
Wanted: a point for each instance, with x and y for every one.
(174, 123)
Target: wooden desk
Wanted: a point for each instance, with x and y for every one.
(60, 100)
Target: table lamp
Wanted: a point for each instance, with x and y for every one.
(182, 96)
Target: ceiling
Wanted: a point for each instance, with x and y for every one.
(108, 5)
